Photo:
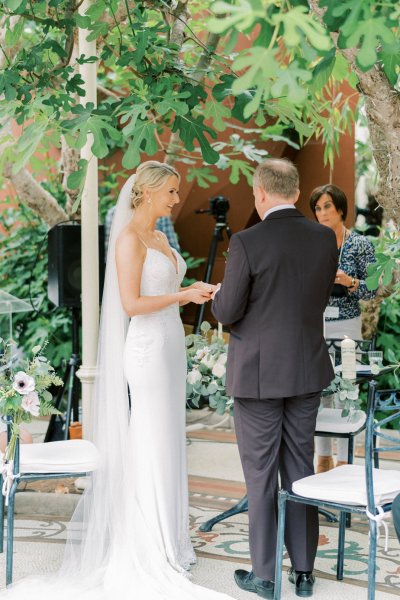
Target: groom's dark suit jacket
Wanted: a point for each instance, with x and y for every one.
(277, 282)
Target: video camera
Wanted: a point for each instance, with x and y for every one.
(219, 206)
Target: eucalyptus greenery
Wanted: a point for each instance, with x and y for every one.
(206, 360)
(345, 393)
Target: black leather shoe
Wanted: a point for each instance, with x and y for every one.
(304, 582)
(251, 583)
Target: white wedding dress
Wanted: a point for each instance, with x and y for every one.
(129, 537)
(155, 368)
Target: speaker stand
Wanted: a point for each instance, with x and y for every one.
(59, 424)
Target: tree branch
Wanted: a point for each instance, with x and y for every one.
(69, 164)
(31, 193)
(382, 105)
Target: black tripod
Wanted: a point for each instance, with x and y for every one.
(59, 424)
(219, 208)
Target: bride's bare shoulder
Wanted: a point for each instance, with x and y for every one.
(128, 240)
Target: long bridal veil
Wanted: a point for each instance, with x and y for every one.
(98, 514)
(110, 553)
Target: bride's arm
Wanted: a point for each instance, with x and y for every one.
(130, 254)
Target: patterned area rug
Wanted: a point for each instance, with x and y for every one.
(229, 539)
(39, 540)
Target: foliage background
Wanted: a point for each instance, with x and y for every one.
(172, 79)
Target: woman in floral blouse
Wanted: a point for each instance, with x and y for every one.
(343, 314)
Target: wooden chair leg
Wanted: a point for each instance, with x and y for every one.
(340, 555)
(10, 532)
(372, 559)
(282, 498)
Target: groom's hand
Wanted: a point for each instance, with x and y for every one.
(197, 296)
(204, 287)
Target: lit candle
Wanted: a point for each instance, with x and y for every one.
(220, 331)
(348, 352)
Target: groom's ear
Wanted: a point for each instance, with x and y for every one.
(260, 194)
(296, 197)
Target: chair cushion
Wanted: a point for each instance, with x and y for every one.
(346, 484)
(330, 420)
(70, 456)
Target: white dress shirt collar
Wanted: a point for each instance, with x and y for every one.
(279, 207)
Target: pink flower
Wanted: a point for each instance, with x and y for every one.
(31, 403)
(23, 383)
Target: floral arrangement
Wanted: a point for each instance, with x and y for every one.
(23, 394)
(346, 394)
(206, 358)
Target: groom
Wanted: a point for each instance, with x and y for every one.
(277, 282)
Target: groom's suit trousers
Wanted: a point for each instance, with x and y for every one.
(277, 434)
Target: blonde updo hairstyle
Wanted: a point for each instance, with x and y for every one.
(150, 174)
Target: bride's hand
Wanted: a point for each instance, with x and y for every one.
(204, 287)
(196, 295)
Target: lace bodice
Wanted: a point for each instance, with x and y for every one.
(159, 275)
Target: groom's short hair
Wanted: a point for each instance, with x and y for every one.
(277, 176)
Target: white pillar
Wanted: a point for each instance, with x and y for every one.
(90, 244)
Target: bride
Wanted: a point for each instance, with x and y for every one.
(149, 274)
(129, 537)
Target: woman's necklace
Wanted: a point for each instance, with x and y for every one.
(154, 234)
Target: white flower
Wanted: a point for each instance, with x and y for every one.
(375, 369)
(219, 370)
(208, 361)
(201, 352)
(31, 403)
(23, 383)
(222, 359)
(193, 376)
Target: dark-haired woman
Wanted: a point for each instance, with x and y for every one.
(343, 314)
